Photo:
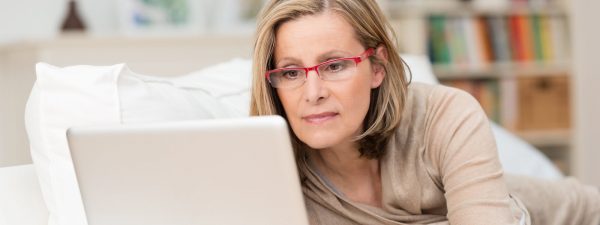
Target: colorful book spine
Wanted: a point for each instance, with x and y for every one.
(472, 43)
(537, 38)
(546, 39)
(485, 43)
(509, 102)
(500, 38)
(558, 30)
(457, 43)
(526, 38)
(492, 96)
(439, 45)
(516, 41)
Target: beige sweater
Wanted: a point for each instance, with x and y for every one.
(441, 167)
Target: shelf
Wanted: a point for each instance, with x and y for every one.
(546, 138)
(497, 70)
(449, 22)
(408, 8)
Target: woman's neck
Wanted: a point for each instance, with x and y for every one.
(344, 162)
(355, 176)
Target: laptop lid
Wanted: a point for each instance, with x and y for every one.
(228, 171)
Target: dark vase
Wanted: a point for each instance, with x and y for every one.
(73, 20)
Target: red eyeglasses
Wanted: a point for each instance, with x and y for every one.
(331, 70)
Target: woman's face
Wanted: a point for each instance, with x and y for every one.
(324, 114)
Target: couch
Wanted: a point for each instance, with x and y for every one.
(22, 203)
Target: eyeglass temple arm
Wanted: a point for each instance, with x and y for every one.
(365, 55)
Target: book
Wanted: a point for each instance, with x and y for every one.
(508, 102)
(472, 42)
(546, 39)
(499, 38)
(456, 41)
(438, 41)
(537, 38)
(526, 38)
(483, 33)
(516, 41)
(558, 31)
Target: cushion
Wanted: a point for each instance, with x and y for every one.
(519, 157)
(419, 69)
(92, 95)
(20, 197)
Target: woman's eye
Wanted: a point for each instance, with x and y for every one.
(290, 74)
(335, 67)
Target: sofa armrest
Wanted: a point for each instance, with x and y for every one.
(21, 199)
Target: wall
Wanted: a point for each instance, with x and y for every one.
(29, 18)
(41, 19)
(586, 46)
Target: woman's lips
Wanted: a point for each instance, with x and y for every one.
(319, 118)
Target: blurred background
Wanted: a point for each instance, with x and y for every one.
(530, 63)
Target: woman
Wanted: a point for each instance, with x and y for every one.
(372, 149)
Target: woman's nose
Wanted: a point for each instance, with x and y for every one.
(314, 88)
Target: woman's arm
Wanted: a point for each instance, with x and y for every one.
(462, 147)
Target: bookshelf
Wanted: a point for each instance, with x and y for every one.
(514, 56)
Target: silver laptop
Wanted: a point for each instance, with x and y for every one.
(222, 172)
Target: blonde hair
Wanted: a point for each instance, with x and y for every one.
(371, 30)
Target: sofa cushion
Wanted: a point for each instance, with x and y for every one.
(20, 197)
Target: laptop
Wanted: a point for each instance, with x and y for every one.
(222, 172)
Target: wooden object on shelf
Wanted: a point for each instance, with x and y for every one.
(547, 138)
(543, 103)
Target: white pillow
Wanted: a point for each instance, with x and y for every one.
(62, 98)
(229, 82)
(419, 68)
(90, 95)
(519, 157)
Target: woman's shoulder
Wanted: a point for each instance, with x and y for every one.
(431, 106)
(432, 97)
(437, 92)
(432, 111)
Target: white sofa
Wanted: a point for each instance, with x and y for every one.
(21, 201)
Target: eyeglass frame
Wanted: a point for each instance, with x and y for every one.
(357, 59)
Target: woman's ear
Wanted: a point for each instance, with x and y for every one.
(379, 67)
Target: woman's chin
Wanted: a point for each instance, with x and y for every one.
(318, 147)
(319, 144)
(324, 138)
